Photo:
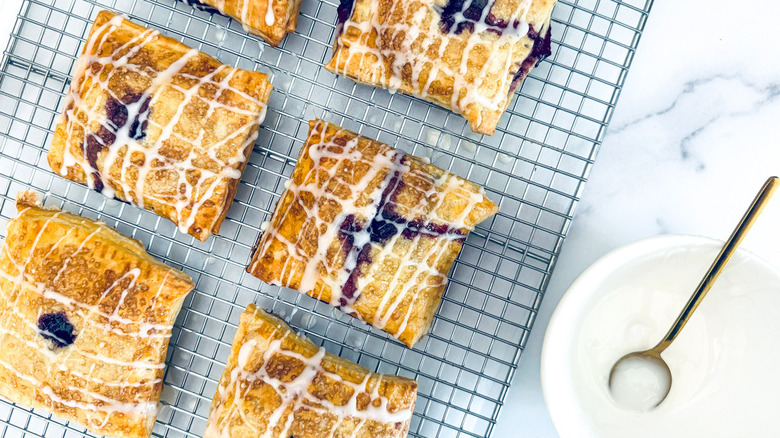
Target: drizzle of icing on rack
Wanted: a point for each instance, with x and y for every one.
(411, 39)
(368, 235)
(365, 403)
(121, 134)
(56, 354)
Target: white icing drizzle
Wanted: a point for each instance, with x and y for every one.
(86, 311)
(109, 406)
(127, 146)
(393, 167)
(269, 14)
(421, 30)
(295, 395)
(269, 18)
(99, 406)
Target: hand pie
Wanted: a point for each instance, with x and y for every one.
(369, 229)
(85, 318)
(277, 384)
(151, 121)
(468, 56)
(271, 20)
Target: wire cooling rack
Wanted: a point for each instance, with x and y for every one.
(534, 167)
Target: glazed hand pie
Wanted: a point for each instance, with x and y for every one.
(85, 318)
(468, 56)
(279, 385)
(271, 20)
(151, 121)
(369, 229)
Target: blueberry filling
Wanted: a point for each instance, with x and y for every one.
(539, 52)
(376, 233)
(117, 114)
(96, 142)
(56, 328)
(542, 48)
(471, 14)
(349, 291)
(381, 228)
(197, 4)
(417, 227)
(459, 16)
(343, 12)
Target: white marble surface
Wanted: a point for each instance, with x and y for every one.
(695, 134)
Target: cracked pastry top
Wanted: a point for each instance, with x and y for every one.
(271, 20)
(465, 55)
(85, 319)
(153, 122)
(369, 229)
(277, 384)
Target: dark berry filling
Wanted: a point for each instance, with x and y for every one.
(349, 227)
(344, 11)
(96, 142)
(385, 224)
(472, 14)
(542, 47)
(459, 16)
(57, 328)
(349, 292)
(117, 114)
(541, 50)
(200, 5)
(381, 229)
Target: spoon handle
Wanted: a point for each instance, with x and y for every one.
(739, 233)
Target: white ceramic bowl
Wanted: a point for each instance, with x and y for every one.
(724, 364)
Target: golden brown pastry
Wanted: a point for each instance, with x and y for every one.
(151, 121)
(468, 56)
(369, 229)
(279, 385)
(271, 20)
(85, 318)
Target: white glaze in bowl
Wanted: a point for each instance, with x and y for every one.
(725, 364)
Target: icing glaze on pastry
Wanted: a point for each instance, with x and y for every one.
(269, 19)
(269, 14)
(467, 55)
(77, 336)
(171, 135)
(368, 219)
(297, 390)
(277, 384)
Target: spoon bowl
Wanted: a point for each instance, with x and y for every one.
(640, 381)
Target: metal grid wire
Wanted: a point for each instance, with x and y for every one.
(534, 167)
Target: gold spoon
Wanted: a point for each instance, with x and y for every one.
(650, 361)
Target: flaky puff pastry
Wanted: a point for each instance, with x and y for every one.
(369, 229)
(468, 56)
(85, 318)
(151, 121)
(279, 385)
(271, 20)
